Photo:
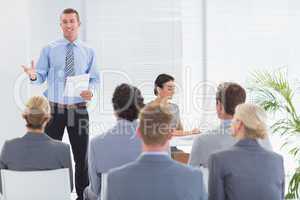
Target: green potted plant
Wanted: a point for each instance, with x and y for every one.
(273, 92)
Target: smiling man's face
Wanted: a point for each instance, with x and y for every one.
(70, 26)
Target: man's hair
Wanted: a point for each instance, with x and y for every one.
(127, 102)
(230, 95)
(155, 124)
(161, 80)
(37, 112)
(70, 11)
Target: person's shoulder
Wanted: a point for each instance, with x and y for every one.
(58, 143)
(85, 45)
(224, 154)
(272, 154)
(123, 170)
(102, 137)
(12, 145)
(182, 167)
(54, 43)
(12, 142)
(209, 135)
(189, 172)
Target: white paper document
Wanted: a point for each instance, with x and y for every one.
(76, 84)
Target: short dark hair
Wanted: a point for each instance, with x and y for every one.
(160, 80)
(70, 11)
(155, 123)
(230, 95)
(127, 101)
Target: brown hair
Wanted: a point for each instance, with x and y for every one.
(230, 95)
(37, 112)
(155, 124)
(70, 11)
(127, 101)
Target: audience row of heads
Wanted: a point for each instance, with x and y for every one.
(248, 120)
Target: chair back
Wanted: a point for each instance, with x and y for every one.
(36, 185)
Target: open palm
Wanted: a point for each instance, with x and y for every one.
(30, 71)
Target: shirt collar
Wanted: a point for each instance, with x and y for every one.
(225, 126)
(247, 142)
(158, 153)
(36, 136)
(226, 122)
(127, 122)
(75, 42)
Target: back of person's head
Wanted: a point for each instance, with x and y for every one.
(254, 119)
(37, 112)
(127, 102)
(230, 95)
(161, 80)
(155, 128)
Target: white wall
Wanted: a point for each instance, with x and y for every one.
(135, 41)
(247, 35)
(193, 62)
(241, 36)
(14, 47)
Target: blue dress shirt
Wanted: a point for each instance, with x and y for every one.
(51, 64)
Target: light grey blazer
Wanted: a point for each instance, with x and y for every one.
(246, 171)
(34, 152)
(154, 177)
(215, 140)
(117, 146)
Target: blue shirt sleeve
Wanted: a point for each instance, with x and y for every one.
(93, 71)
(42, 66)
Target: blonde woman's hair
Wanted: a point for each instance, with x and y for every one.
(37, 112)
(254, 119)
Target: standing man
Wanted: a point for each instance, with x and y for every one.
(62, 58)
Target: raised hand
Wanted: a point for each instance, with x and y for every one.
(30, 71)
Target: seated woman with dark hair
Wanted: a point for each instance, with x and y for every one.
(164, 89)
(36, 150)
(118, 145)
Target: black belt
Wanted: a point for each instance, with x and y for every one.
(69, 106)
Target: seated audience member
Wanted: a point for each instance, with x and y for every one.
(119, 145)
(36, 150)
(164, 89)
(154, 175)
(228, 96)
(247, 171)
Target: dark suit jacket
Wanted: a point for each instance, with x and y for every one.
(246, 171)
(34, 152)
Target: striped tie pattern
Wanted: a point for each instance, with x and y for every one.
(69, 67)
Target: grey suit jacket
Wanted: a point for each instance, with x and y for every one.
(34, 152)
(246, 171)
(215, 140)
(114, 148)
(154, 177)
